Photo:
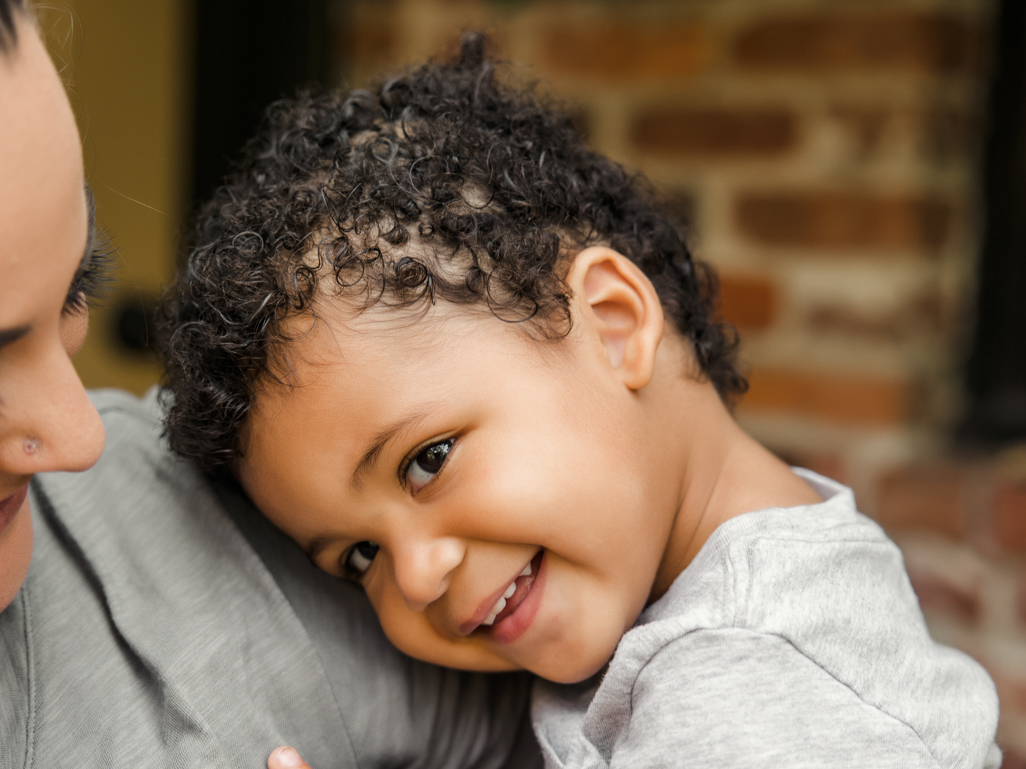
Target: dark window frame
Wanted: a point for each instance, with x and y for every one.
(996, 367)
(248, 53)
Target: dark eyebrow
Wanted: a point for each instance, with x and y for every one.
(11, 335)
(380, 441)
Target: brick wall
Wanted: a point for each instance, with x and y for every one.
(826, 154)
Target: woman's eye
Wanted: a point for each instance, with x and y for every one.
(427, 463)
(94, 272)
(360, 558)
(91, 279)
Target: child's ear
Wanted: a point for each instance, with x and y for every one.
(619, 308)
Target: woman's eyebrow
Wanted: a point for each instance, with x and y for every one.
(10, 335)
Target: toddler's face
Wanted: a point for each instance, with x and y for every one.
(495, 496)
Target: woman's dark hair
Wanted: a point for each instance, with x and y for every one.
(8, 27)
(440, 185)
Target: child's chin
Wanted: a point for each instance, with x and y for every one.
(569, 673)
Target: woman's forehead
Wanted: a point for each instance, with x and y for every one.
(43, 219)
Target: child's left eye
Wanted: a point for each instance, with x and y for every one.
(427, 463)
(359, 559)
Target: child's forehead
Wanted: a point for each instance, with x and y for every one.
(335, 327)
(381, 340)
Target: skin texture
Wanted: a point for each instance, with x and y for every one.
(43, 237)
(599, 450)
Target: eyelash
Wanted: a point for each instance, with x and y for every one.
(92, 277)
(349, 573)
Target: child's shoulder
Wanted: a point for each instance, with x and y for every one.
(789, 625)
(779, 564)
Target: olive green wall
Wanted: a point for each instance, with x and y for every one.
(127, 67)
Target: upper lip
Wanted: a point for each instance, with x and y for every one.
(485, 608)
(16, 490)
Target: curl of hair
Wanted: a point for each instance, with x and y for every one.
(439, 185)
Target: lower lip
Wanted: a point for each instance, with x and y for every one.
(9, 507)
(517, 623)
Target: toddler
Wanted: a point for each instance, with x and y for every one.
(470, 365)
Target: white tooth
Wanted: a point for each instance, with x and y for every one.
(527, 570)
(499, 606)
(510, 590)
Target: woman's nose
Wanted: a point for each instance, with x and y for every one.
(57, 427)
(424, 567)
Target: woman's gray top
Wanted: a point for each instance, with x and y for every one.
(164, 623)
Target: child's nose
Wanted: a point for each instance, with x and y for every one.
(423, 568)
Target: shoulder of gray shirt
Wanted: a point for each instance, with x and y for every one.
(164, 622)
(831, 586)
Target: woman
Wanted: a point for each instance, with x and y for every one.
(46, 266)
(49, 268)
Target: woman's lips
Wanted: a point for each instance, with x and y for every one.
(10, 506)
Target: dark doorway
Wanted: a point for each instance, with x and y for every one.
(996, 372)
(249, 53)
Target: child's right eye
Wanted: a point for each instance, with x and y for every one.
(359, 559)
(426, 464)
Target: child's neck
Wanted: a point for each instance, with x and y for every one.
(724, 473)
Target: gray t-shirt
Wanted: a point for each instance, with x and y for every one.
(793, 639)
(165, 623)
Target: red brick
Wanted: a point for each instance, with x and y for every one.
(715, 133)
(923, 497)
(747, 301)
(866, 126)
(834, 220)
(1008, 517)
(940, 596)
(921, 314)
(883, 42)
(839, 398)
(624, 51)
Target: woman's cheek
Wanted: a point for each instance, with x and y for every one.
(73, 328)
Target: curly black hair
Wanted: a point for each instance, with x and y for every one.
(443, 184)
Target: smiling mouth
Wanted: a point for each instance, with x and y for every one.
(515, 593)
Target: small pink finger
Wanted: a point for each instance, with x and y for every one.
(285, 758)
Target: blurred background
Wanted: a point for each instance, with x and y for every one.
(855, 169)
